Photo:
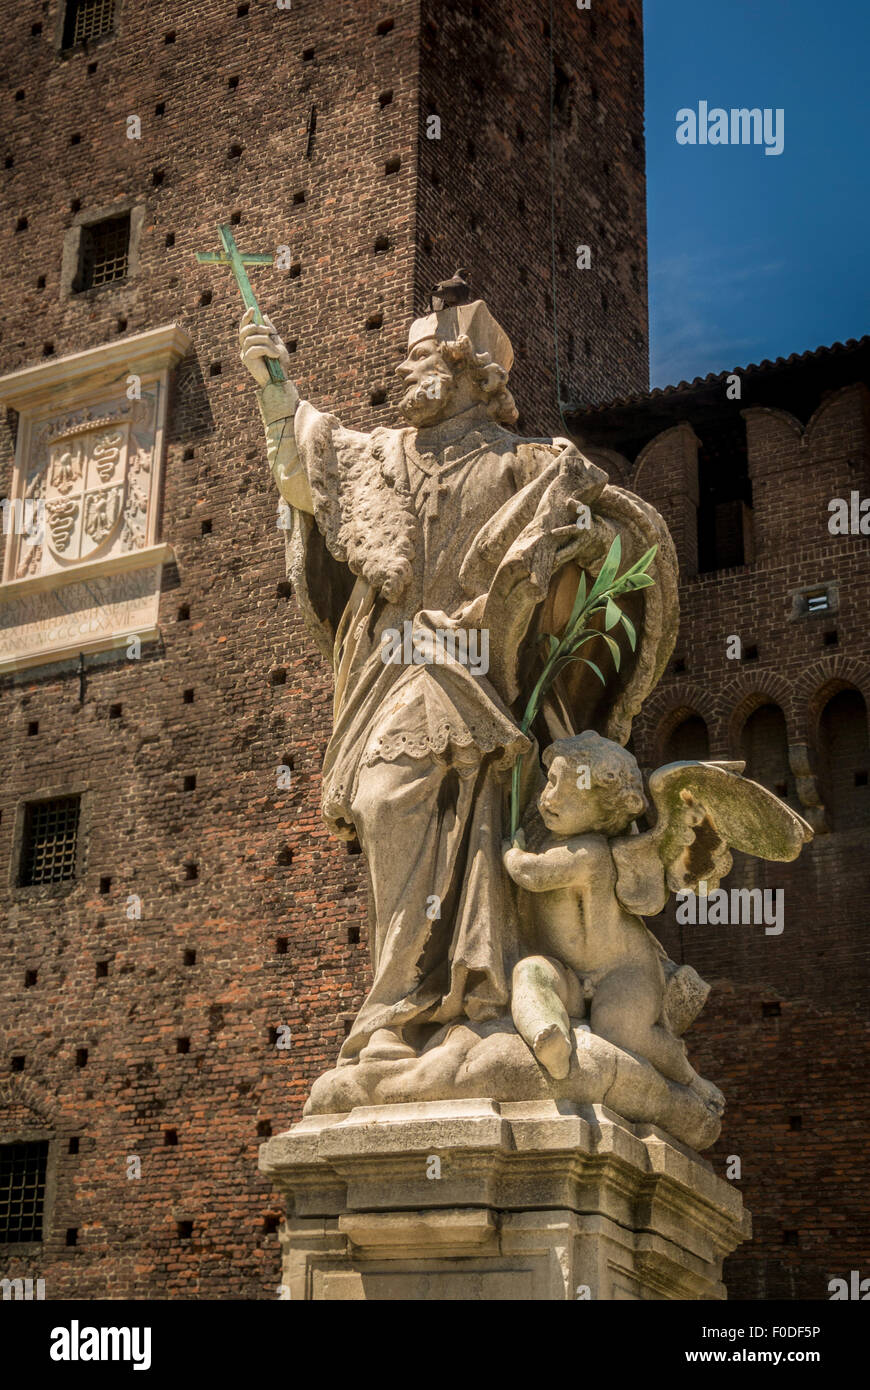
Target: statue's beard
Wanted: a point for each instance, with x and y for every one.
(426, 401)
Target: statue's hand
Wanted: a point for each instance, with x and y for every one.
(507, 845)
(259, 341)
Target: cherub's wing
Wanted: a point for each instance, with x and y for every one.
(705, 810)
(640, 874)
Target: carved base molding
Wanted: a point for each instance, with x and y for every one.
(44, 621)
(472, 1199)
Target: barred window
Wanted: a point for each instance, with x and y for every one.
(87, 19)
(22, 1190)
(48, 853)
(103, 252)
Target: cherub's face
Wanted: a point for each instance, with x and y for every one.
(566, 807)
(578, 800)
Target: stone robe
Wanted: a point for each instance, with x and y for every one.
(478, 534)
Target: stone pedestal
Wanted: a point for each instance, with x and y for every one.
(477, 1199)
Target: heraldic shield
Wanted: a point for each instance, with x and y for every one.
(85, 491)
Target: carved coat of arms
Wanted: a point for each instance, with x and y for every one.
(85, 490)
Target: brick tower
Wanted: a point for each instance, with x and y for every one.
(181, 945)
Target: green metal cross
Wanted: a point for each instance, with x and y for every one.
(232, 257)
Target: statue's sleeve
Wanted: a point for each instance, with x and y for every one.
(278, 404)
(313, 458)
(298, 438)
(351, 513)
(359, 495)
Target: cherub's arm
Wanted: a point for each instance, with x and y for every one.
(564, 866)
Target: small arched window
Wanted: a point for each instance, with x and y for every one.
(844, 751)
(764, 746)
(689, 740)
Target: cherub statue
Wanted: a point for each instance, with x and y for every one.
(590, 876)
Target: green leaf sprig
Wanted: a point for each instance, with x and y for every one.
(562, 650)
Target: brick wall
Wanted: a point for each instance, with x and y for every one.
(785, 1031)
(484, 196)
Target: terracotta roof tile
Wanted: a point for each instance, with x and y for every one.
(851, 345)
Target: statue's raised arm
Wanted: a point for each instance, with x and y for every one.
(259, 343)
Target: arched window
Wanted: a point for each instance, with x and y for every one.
(688, 740)
(844, 750)
(764, 746)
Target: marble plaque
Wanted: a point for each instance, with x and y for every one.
(82, 553)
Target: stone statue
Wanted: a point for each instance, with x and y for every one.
(410, 550)
(589, 879)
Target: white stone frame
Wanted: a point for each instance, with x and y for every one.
(97, 603)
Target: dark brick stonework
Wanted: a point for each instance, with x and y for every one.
(785, 1032)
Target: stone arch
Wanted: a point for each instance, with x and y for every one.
(824, 679)
(666, 475)
(19, 1092)
(746, 693)
(688, 738)
(776, 415)
(668, 709)
(767, 754)
(28, 1116)
(834, 402)
(814, 688)
(677, 435)
(843, 755)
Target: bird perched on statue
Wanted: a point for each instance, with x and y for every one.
(456, 290)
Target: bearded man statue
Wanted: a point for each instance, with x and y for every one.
(470, 537)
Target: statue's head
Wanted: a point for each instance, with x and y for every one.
(594, 785)
(457, 357)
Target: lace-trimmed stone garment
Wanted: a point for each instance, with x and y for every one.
(418, 762)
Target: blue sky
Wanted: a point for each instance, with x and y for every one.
(754, 255)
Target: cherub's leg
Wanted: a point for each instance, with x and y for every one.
(625, 1011)
(541, 990)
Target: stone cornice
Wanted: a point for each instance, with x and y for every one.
(154, 351)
